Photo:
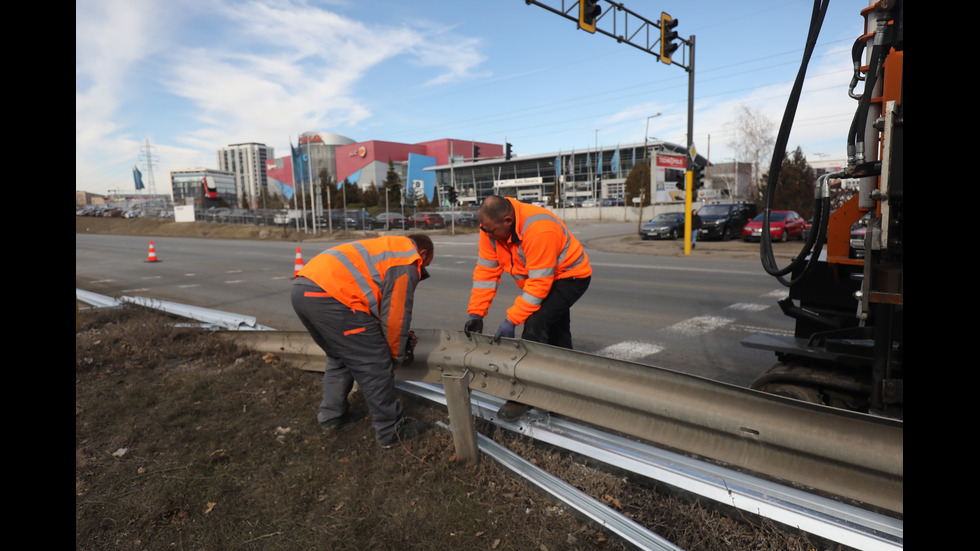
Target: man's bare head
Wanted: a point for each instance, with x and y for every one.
(496, 216)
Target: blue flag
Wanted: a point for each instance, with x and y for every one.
(558, 167)
(299, 165)
(614, 163)
(285, 189)
(138, 178)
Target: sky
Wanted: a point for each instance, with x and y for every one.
(170, 82)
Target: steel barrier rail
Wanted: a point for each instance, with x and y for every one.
(846, 524)
(844, 454)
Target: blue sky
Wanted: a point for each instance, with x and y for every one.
(191, 76)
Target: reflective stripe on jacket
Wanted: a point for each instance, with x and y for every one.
(540, 250)
(376, 276)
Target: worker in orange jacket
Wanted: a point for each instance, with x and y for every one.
(356, 302)
(548, 264)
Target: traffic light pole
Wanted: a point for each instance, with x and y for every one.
(691, 154)
(588, 16)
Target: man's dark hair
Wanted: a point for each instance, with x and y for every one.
(422, 242)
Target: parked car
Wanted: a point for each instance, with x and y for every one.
(724, 220)
(390, 221)
(613, 202)
(463, 219)
(426, 220)
(783, 225)
(666, 225)
(359, 220)
(589, 203)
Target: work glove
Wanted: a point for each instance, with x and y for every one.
(474, 324)
(506, 329)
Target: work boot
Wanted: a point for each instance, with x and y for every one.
(344, 421)
(406, 429)
(512, 411)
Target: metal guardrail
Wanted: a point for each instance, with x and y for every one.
(852, 526)
(843, 454)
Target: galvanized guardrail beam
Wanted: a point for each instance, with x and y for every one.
(852, 456)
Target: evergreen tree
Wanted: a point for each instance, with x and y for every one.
(393, 183)
(370, 197)
(794, 188)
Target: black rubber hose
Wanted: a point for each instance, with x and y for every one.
(779, 151)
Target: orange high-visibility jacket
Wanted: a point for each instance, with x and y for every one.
(540, 251)
(375, 276)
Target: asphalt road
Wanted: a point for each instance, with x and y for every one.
(648, 302)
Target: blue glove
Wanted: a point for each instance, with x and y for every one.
(506, 329)
(474, 324)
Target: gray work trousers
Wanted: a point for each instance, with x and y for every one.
(356, 351)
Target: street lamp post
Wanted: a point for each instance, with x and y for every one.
(646, 154)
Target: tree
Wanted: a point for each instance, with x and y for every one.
(753, 136)
(794, 187)
(639, 180)
(393, 183)
(346, 194)
(370, 196)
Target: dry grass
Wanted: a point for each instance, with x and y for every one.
(182, 442)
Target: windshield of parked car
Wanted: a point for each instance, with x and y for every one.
(667, 218)
(773, 217)
(714, 210)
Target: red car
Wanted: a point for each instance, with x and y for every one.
(426, 220)
(783, 226)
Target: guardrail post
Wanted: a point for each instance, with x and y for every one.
(461, 415)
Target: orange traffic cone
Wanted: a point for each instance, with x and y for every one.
(299, 262)
(153, 253)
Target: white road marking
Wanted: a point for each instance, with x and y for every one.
(698, 326)
(748, 307)
(629, 350)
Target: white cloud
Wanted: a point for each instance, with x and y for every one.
(201, 76)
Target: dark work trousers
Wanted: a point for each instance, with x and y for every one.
(356, 351)
(551, 324)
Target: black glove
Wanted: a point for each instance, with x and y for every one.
(474, 324)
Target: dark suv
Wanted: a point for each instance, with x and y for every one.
(725, 220)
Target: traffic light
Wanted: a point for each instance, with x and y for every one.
(507, 152)
(476, 152)
(588, 11)
(698, 177)
(667, 37)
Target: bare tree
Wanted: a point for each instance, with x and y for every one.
(753, 137)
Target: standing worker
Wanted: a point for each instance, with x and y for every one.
(356, 301)
(545, 260)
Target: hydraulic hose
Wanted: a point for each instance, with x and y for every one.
(822, 205)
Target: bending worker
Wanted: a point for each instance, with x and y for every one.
(356, 301)
(545, 260)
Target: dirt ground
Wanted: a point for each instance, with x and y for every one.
(182, 442)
